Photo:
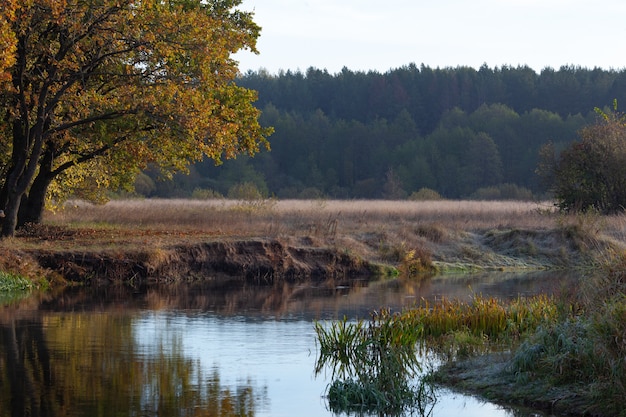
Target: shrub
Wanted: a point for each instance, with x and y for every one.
(425, 194)
(205, 194)
(411, 260)
(144, 185)
(591, 172)
(502, 192)
(245, 191)
(310, 193)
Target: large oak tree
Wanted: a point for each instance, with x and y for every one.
(97, 89)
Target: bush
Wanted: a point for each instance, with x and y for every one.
(591, 173)
(310, 193)
(205, 194)
(425, 194)
(245, 191)
(144, 185)
(503, 192)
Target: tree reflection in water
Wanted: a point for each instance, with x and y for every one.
(89, 364)
(77, 353)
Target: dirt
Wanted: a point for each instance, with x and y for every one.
(101, 255)
(258, 260)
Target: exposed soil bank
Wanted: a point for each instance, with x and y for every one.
(257, 260)
(101, 255)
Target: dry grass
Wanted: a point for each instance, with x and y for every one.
(306, 216)
(410, 234)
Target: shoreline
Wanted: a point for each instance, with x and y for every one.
(485, 376)
(265, 245)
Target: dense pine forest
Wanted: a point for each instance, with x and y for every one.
(411, 132)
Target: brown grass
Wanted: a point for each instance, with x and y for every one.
(409, 234)
(306, 216)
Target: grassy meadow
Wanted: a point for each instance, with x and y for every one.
(275, 217)
(412, 235)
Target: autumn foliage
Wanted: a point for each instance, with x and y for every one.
(96, 89)
(590, 174)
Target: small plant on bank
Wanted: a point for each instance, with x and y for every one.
(411, 261)
(14, 287)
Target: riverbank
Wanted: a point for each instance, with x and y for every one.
(488, 376)
(269, 241)
(291, 240)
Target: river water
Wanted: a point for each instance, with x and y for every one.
(218, 349)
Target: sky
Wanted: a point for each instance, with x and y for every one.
(365, 35)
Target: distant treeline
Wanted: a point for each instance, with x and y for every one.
(459, 131)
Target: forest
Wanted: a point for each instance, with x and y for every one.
(412, 132)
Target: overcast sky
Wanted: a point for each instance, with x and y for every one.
(381, 35)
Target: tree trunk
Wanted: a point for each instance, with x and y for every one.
(32, 205)
(15, 190)
(9, 223)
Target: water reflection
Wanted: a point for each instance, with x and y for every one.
(91, 364)
(309, 300)
(203, 350)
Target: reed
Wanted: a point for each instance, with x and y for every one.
(373, 364)
(452, 328)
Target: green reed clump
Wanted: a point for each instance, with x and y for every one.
(455, 328)
(373, 364)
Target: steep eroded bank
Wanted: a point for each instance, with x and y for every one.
(120, 255)
(256, 260)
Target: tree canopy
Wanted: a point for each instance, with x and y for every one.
(463, 132)
(94, 90)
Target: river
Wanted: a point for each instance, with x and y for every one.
(220, 348)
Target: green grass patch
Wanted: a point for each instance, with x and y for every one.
(14, 283)
(14, 287)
